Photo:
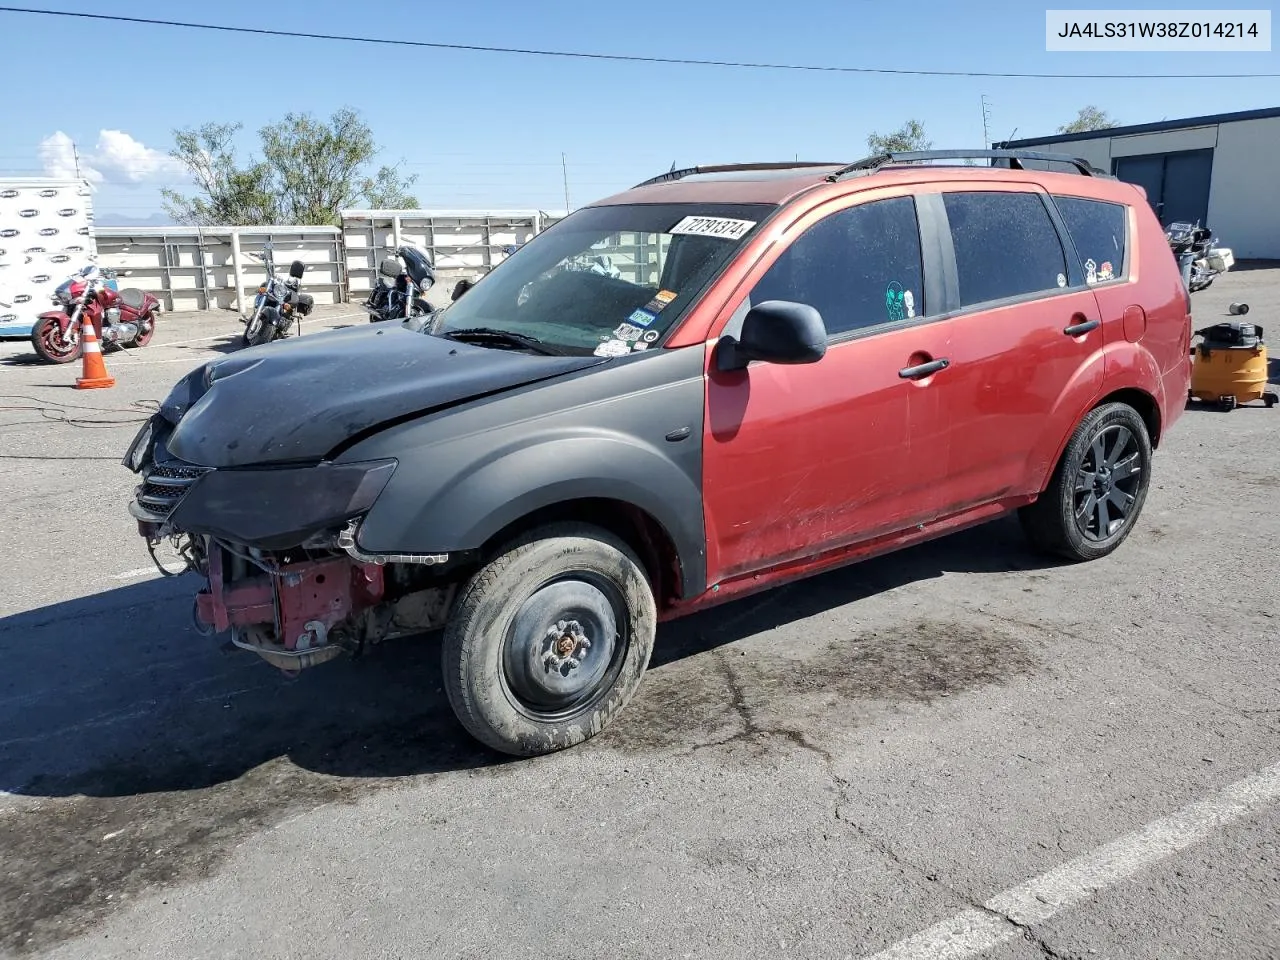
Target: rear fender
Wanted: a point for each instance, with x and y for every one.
(1124, 366)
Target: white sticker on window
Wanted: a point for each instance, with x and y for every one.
(724, 227)
(613, 348)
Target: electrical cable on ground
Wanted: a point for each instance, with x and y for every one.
(57, 412)
(634, 58)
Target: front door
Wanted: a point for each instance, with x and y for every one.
(802, 459)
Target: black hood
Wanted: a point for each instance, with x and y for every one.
(298, 400)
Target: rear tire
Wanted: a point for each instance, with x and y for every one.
(142, 338)
(1098, 488)
(549, 640)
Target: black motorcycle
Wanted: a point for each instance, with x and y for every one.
(401, 285)
(278, 303)
(1198, 254)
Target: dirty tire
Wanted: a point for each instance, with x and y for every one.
(479, 636)
(1050, 523)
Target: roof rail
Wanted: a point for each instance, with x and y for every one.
(674, 174)
(1015, 158)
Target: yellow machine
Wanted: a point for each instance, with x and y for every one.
(1230, 366)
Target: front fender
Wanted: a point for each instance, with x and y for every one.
(478, 502)
(60, 317)
(628, 431)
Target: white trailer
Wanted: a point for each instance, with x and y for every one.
(46, 234)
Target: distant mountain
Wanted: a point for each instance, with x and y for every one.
(120, 220)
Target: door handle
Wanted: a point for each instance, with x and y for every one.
(923, 370)
(1077, 329)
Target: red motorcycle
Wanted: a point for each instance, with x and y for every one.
(120, 318)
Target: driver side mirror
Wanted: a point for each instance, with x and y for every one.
(776, 331)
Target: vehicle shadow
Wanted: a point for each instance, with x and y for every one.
(115, 694)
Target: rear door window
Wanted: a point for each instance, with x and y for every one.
(859, 267)
(1098, 231)
(1006, 246)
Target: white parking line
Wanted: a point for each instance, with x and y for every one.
(1003, 917)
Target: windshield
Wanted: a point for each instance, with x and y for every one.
(417, 266)
(606, 280)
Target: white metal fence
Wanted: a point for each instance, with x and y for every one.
(205, 268)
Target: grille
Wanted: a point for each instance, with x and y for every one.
(164, 485)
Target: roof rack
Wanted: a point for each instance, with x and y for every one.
(1015, 158)
(674, 174)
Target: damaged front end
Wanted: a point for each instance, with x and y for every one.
(278, 549)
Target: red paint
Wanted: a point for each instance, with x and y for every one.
(325, 592)
(1134, 323)
(841, 556)
(813, 466)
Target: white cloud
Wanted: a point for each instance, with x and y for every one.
(57, 155)
(116, 158)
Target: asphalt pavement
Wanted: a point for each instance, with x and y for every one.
(958, 750)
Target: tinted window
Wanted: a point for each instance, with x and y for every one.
(859, 267)
(1006, 246)
(1098, 230)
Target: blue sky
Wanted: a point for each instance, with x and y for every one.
(487, 130)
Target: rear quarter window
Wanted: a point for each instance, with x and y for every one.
(1098, 229)
(1006, 246)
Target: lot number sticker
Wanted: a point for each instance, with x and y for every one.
(713, 227)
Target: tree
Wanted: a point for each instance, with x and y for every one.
(910, 136)
(1089, 118)
(310, 170)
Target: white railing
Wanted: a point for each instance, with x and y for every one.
(207, 268)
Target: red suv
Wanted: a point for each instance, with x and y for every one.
(723, 379)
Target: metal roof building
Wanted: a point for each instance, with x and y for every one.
(1220, 170)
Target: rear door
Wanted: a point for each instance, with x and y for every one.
(1026, 339)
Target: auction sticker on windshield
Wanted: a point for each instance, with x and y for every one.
(713, 227)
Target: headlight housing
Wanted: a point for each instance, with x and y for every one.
(280, 507)
(136, 456)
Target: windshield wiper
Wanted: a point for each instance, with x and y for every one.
(490, 334)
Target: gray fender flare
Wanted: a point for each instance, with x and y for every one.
(463, 511)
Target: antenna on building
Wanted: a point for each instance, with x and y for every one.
(986, 122)
(76, 156)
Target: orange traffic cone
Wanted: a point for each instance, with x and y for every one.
(93, 372)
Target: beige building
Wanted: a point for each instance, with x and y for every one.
(1219, 170)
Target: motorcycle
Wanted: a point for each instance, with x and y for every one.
(1198, 254)
(400, 289)
(120, 318)
(278, 302)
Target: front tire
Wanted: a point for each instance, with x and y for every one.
(45, 341)
(549, 640)
(259, 330)
(1098, 488)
